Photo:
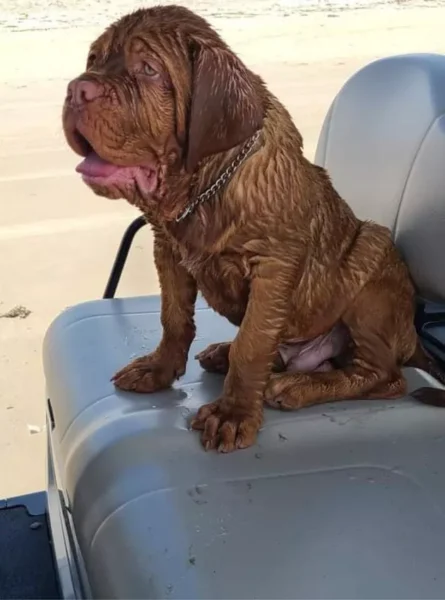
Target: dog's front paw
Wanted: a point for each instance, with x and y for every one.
(147, 374)
(215, 358)
(227, 425)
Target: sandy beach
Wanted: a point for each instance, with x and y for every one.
(57, 240)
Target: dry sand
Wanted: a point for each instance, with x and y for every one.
(57, 240)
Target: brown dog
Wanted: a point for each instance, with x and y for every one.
(169, 118)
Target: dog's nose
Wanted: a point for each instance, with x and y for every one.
(81, 91)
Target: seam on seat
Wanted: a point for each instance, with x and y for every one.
(327, 126)
(78, 415)
(262, 477)
(328, 130)
(410, 170)
(117, 395)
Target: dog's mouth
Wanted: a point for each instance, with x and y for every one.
(98, 172)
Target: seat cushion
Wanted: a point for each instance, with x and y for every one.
(337, 501)
(383, 143)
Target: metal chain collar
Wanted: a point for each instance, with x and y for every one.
(225, 176)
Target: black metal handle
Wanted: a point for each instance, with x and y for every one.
(121, 256)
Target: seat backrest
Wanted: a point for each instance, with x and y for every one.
(383, 144)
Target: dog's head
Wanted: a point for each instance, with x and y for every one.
(161, 92)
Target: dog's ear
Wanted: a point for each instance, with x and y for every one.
(226, 107)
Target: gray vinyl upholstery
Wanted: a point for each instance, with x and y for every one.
(383, 143)
(340, 501)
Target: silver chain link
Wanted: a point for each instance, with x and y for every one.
(225, 176)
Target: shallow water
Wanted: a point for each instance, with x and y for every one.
(22, 15)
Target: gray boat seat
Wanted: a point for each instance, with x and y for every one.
(337, 501)
(383, 143)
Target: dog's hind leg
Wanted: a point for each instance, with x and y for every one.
(374, 370)
(292, 391)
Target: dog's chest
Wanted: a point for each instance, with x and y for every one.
(223, 279)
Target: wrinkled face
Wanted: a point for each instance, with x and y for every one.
(161, 91)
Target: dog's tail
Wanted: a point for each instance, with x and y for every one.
(421, 359)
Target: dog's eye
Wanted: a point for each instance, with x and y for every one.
(148, 70)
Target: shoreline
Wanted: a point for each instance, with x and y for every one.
(28, 16)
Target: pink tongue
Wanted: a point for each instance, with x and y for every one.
(94, 166)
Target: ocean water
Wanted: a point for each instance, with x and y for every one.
(22, 15)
